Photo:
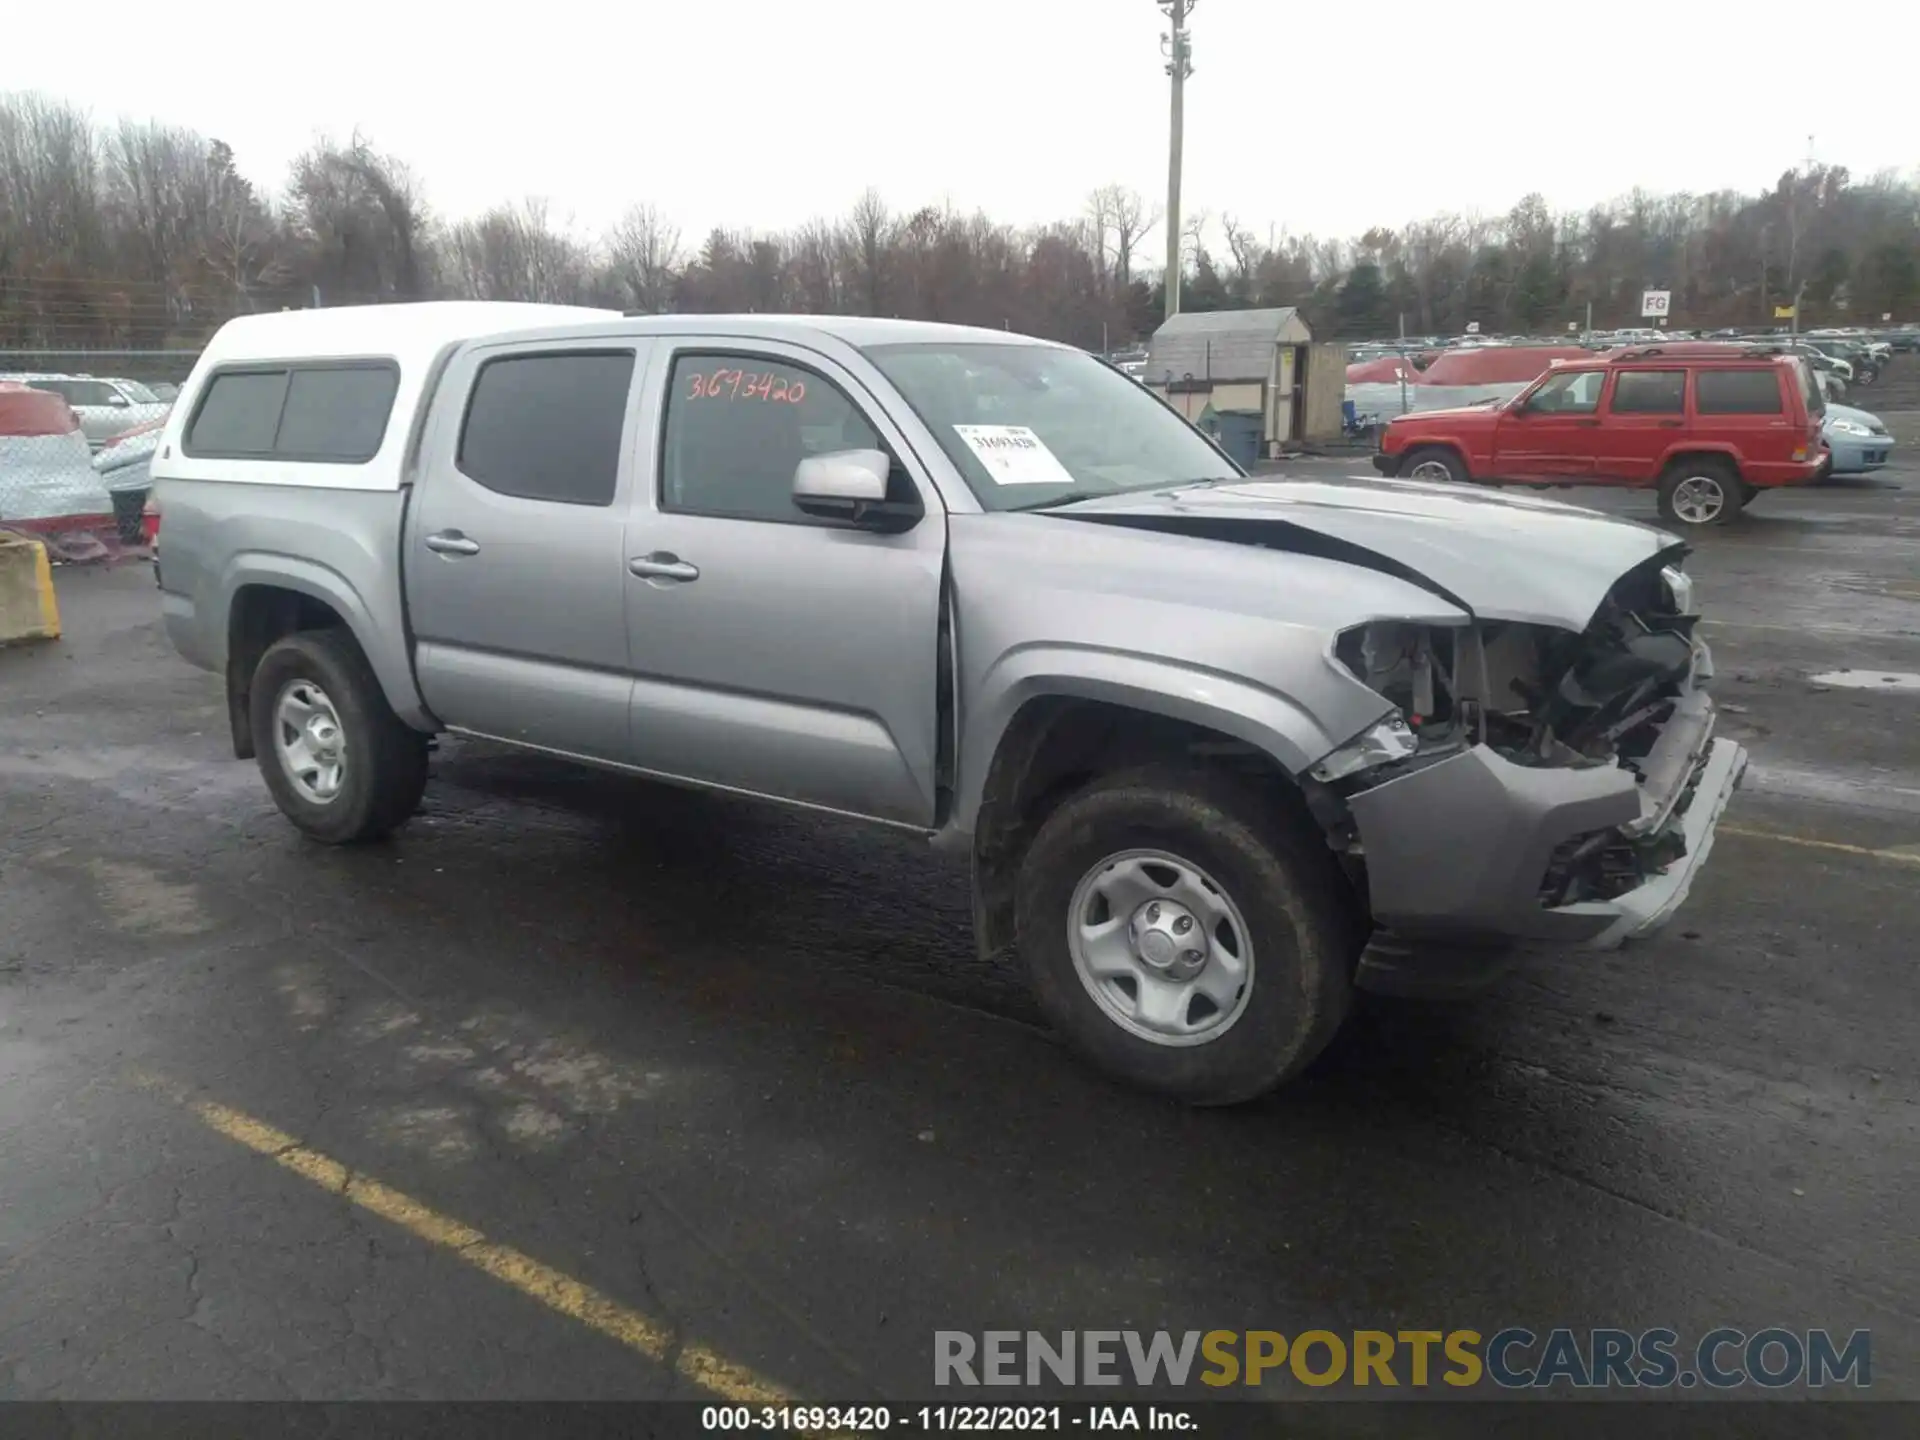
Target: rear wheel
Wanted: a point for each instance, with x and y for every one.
(339, 763)
(1702, 492)
(1186, 934)
(1435, 464)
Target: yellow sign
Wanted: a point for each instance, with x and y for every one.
(1783, 312)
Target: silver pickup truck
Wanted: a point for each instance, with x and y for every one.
(1220, 748)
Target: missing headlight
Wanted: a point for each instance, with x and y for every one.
(1411, 666)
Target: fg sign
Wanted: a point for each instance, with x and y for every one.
(1654, 304)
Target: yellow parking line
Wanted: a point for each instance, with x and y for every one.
(562, 1294)
(1897, 857)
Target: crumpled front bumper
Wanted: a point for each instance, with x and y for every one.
(1457, 851)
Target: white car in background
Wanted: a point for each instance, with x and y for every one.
(105, 407)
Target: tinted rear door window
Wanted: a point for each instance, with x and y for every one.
(336, 414)
(1650, 392)
(239, 414)
(548, 427)
(1737, 392)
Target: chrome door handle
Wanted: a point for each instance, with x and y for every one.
(663, 566)
(452, 542)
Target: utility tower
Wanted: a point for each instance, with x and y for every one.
(1177, 46)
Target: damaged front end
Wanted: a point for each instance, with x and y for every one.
(1531, 781)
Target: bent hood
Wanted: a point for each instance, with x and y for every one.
(1502, 556)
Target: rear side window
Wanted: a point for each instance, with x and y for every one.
(548, 427)
(338, 415)
(322, 414)
(239, 414)
(1737, 392)
(1650, 392)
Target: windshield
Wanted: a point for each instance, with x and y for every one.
(1032, 426)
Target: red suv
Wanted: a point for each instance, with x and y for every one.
(1709, 425)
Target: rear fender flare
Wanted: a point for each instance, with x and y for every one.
(385, 646)
(1680, 449)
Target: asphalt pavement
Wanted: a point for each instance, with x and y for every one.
(588, 1088)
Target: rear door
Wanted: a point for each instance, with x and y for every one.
(1644, 413)
(515, 555)
(776, 653)
(1745, 410)
(1551, 435)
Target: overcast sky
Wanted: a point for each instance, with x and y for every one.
(762, 113)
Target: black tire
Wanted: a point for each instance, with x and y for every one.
(1708, 471)
(1456, 468)
(385, 770)
(1299, 909)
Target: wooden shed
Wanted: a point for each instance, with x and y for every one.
(1238, 363)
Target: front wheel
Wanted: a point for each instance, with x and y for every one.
(1435, 464)
(1698, 493)
(339, 763)
(1186, 933)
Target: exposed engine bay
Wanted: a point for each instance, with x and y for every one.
(1620, 693)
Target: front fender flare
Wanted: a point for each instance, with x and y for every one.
(1262, 717)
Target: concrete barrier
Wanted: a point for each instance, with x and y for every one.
(27, 607)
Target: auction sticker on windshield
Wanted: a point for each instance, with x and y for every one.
(1014, 455)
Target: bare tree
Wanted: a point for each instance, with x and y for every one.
(1130, 220)
(871, 228)
(1193, 233)
(361, 214)
(644, 251)
(1247, 254)
(1100, 225)
(513, 252)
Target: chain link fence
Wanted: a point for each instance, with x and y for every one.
(77, 429)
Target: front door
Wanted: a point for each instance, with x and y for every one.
(1550, 434)
(775, 653)
(1645, 412)
(515, 556)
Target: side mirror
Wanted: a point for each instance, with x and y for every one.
(851, 486)
(117, 400)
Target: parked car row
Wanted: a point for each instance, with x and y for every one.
(1859, 349)
(105, 406)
